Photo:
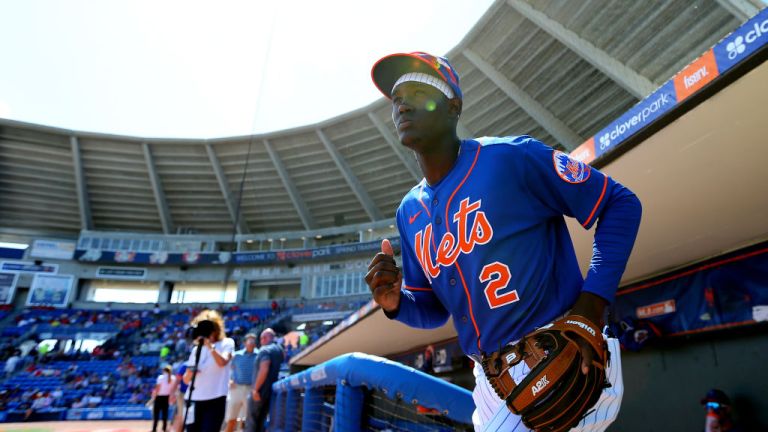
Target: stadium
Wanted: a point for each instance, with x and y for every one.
(110, 244)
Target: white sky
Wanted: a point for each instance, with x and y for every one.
(189, 69)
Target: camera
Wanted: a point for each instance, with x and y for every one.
(203, 328)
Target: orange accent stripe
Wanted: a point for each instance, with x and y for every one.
(599, 200)
(692, 271)
(461, 275)
(448, 204)
(410, 288)
(714, 327)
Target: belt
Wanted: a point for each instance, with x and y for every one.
(478, 358)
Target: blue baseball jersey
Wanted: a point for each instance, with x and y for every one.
(488, 243)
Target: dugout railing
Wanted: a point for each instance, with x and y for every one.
(362, 392)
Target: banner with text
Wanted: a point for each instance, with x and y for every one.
(723, 292)
(238, 258)
(730, 51)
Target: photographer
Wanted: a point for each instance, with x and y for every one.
(209, 393)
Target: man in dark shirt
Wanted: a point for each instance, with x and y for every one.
(269, 359)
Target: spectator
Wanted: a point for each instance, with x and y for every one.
(428, 365)
(719, 417)
(161, 394)
(12, 362)
(269, 359)
(241, 383)
(82, 403)
(94, 401)
(42, 401)
(179, 390)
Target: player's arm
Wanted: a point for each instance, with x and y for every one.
(580, 191)
(413, 302)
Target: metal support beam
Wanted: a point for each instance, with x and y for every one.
(86, 219)
(242, 228)
(565, 135)
(349, 176)
(405, 155)
(741, 9)
(629, 79)
(157, 189)
(290, 187)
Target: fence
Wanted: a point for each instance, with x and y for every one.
(356, 392)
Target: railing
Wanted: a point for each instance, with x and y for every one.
(363, 392)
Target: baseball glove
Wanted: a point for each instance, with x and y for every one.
(555, 395)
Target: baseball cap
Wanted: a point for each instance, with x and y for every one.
(716, 395)
(389, 69)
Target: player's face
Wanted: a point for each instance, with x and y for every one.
(421, 114)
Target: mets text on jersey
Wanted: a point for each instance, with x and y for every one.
(450, 246)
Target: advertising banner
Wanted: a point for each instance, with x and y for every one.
(8, 283)
(54, 249)
(744, 41)
(130, 412)
(50, 290)
(132, 273)
(28, 267)
(724, 292)
(730, 51)
(238, 258)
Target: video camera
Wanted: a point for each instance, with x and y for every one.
(203, 328)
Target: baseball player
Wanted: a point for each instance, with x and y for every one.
(484, 241)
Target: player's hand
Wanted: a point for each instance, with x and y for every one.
(591, 307)
(385, 278)
(255, 395)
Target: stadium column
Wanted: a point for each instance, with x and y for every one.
(348, 415)
(559, 130)
(86, 219)
(354, 183)
(636, 84)
(311, 418)
(741, 9)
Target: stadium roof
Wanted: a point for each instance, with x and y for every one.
(557, 71)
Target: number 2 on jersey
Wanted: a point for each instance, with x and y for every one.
(497, 275)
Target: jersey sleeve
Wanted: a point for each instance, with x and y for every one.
(565, 185)
(419, 306)
(575, 189)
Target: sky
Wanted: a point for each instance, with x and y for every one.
(193, 69)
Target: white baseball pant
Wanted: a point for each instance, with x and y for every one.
(492, 414)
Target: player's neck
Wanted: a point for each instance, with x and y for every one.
(436, 162)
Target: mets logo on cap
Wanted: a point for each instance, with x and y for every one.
(570, 170)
